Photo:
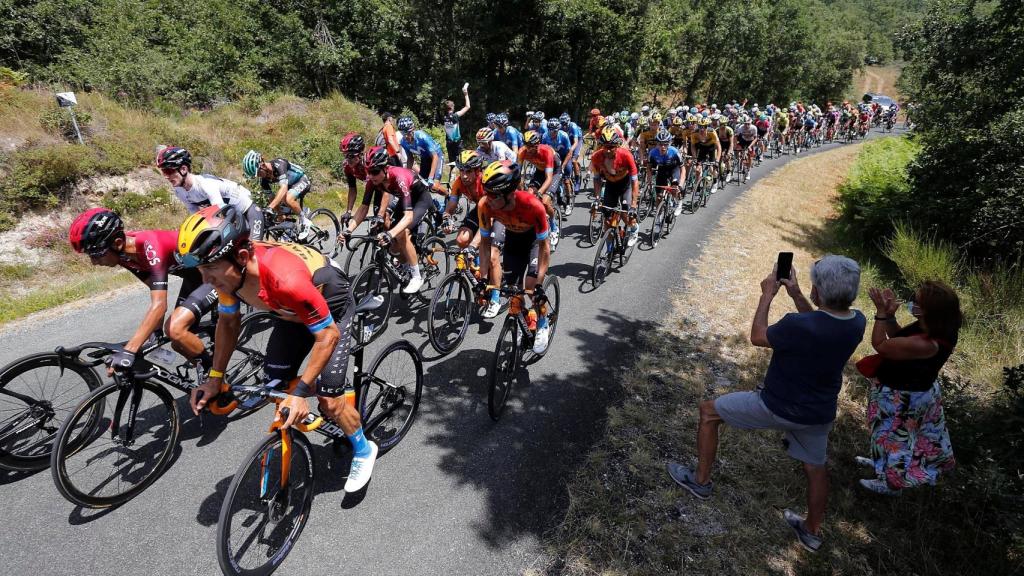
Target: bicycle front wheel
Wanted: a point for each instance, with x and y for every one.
(435, 264)
(503, 367)
(551, 309)
(389, 395)
(657, 225)
(124, 459)
(28, 429)
(596, 226)
(373, 281)
(325, 232)
(266, 506)
(360, 256)
(603, 258)
(451, 309)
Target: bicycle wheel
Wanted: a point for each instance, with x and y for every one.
(247, 363)
(596, 226)
(389, 395)
(705, 192)
(451, 310)
(324, 235)
(374, 281)
(627, 250)
(554, 296)
(695, 197)
(36, 397)
(657, 224)
(556, 218)
(503, 367)
(646, 204)
(112, 469)
(603, 258)
(263, 514)
(435, 263)
(360, 256)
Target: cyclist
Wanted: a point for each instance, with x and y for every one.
(666, 163)
(746, 143)
(419, 143)
(627, 127)
(615, 174)
(198, 191)
(388, 138)
(508, 134)
(678, 131)
(491, 150)
(292, 184)
(412, 202)
(727, 139)
(149, 255)
(576, 136)
(704, 147)
(452, 137)
(537, 123)
(470, 185)
(596, 123)
(352, 145)
(544, 183)
(645, 139)
(562, 144)
(527, 248)
(781, 125)
(295, 283)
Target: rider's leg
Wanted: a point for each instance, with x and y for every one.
(192, 304)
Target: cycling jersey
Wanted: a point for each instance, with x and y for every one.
(669, 159)
(613, 165)
(747, 132)
(352, 173)
(543, 157)
(559, 141)
(725, 139)
(648, 136)
(473, 192)
(575, 135)
(401, 183)
(709, 141)
(288, 174)
(510, 136)
(422, 145)
(541, 129)
(527, 216)
(499, 151)
(153, 258)
(207, 190)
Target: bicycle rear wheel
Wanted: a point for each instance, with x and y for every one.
(324, 235)
(451, 310)
(554, 296)
(360, 256)
(389, 395)
(627, 250)
(374, 281)
(263, 514)
(596, 226)
(603, 258)
(503, 367)
(28, 430)
(114, 467)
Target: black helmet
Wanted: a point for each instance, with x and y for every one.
(173, 157)
(93, 231)
(405, 123)
(376, 157)
(352, 143)
(501, 177)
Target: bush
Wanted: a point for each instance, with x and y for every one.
(919, 259)
(41, 177)
(126, 203)
(877, 191)
(57, 121)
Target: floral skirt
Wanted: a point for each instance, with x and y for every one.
(909, 440)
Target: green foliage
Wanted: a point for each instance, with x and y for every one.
(57, 121)
(877, 191)
(12, 77)
(125, 202)
(41, 177)
(919, 260)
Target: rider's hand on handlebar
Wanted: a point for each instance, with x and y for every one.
(384, 238)
(201, 395)
(120, 361)
(297, 410)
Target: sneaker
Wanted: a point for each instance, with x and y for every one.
(303, 234)
(414, 285)
(879, 486)
(728, 177)
(568, 209)
(362, 468)
(714, 187)
(540, 341)
(687, 478)
(864, 461)
(809, 541)
(493, 307)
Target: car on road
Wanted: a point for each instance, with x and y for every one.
(883, 100)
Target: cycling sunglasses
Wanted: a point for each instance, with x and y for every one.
(97, 252)
(187, 260)
(353, 155)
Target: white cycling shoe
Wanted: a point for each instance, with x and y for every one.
(540, 342)
(554, 238)
(361, 470)
(492, 309)
(633, 237)
(414, 285)
(679, 208)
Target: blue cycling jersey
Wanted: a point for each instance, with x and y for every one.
(559, 142)
(670, 159)
(512, 137)
(422, 144)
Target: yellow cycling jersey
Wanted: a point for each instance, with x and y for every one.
(708, 141)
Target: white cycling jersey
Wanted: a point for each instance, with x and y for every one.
(746, 131)
(499, 151)
(210, 190)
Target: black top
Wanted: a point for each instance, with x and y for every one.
(916, 375)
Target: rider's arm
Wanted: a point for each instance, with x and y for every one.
(404, 193)
(358, 217)
(435, 159)
(486, 223)
(153, 319)
(282, 193)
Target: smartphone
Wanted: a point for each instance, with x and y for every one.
(784, 265)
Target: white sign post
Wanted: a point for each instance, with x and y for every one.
(68, 100)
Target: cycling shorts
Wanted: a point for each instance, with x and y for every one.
(762, 132)
(197, 297)
(519, 257)
(618, 194)
(665, 175)
(290, 342)
(299, 189)
(420, 208)
(705, 153)
(742, 143)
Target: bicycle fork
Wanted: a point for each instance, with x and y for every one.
(133, 391)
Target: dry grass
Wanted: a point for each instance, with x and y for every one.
(876, 79)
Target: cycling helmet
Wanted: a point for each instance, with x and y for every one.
(405, 123)
(624, 116)
(746, 119)
(501, 177)
(716, 117)
(677, 121)
(671, 113)
(663, 137)
(610, 136)
(93, 231)
(538, 115)
(469, 160)
(645, 109)
(501, 119)
(376, 157)
(691, 118)
(173, 157)
(209, 235)
(656, 117)
(565, 118)
(595, 112)
(554, 124)
(634, 116)
(763, 117)
(491, 117)
(352, 143)
(529, 114)
(251, 163)
(485, 134)
(531, 138)
(704, 122)
(610, 120)
(694, 110)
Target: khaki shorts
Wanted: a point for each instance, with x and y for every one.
(804, 442)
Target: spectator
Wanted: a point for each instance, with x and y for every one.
(800, 389)
(909, 441)
(452, 136)
(388, 137)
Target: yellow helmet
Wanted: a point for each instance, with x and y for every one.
(209, 235)
(610, 136)
(656, 117)
(705, 122)
(469, 160)
(677, 121)
(500, 177)
(532, 137)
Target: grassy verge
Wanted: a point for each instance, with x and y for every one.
(627, 517)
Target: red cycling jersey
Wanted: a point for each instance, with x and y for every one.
(613, 165)
(544, 157)
(287, 285)
(399, 182)
(527, 214)
(474, 192)
(153, 258)
(355, 173)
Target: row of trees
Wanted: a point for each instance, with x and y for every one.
(556, 54)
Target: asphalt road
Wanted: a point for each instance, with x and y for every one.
(460, 495)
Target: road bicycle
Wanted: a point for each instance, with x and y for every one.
(120, 439)
(664, 215)
(321, 235)
(613, 244)
(268, 502)
(455, 302)
(385, 274)
(515, 340)
(648, 200)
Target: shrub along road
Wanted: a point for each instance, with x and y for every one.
(460, 495)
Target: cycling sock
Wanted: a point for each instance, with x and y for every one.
(359, 444)
(542, 321)
(415, 271)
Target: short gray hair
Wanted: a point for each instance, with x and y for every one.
(837, 279)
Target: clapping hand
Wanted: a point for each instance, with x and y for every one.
(885, 301)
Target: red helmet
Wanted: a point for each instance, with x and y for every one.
(595, 112)
(376, 157)
(352, 143)
(93, 231)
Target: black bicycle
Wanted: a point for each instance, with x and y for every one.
(268, 501)
(664, 215)
(515, 341)
(120, 439)
(613, 244)
(455, 302)
(321, 235)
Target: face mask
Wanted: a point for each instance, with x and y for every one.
(913, 309)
